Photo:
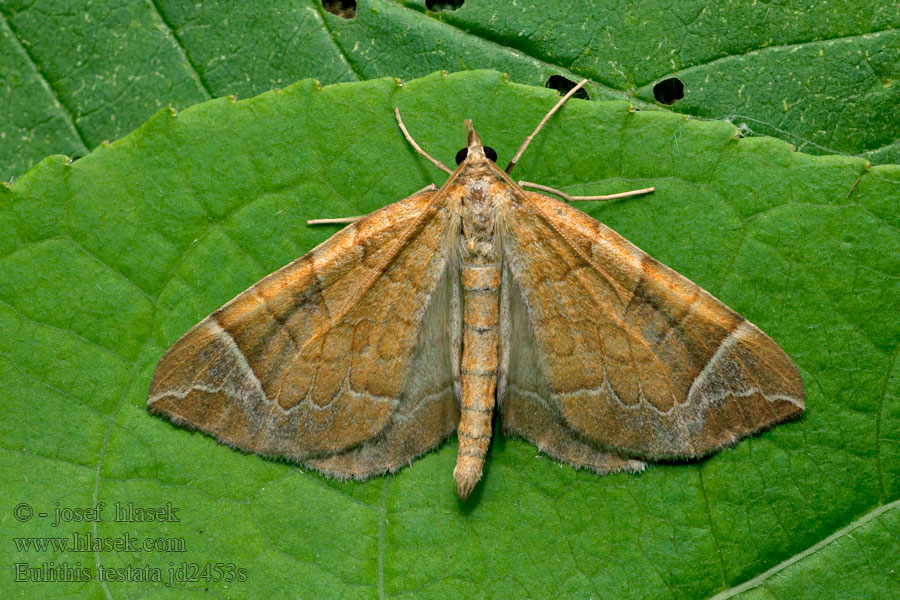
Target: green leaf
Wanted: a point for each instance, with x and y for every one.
(824, 76)
(104, 262)
(864, 553)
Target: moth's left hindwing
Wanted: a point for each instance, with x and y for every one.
(628, 354)
(339, 347)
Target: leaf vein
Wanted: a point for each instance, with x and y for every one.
(55, 95)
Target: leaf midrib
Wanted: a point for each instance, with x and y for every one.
(846, 530)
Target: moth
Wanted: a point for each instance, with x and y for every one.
(425, 317)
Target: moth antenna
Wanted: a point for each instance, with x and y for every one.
(569, 198)
(416, 147)
(527, 141)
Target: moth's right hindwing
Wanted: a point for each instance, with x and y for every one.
(528, 409)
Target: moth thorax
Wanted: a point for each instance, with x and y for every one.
(477, 217)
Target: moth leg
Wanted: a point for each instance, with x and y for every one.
(428, 188)
(338, 220)
(416, 147)
(569, 198)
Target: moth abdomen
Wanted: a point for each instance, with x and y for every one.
(478, 372)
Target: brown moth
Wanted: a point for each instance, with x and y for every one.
(425, 316)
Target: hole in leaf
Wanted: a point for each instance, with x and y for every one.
(668, 91)
(563, 85)
(442, 5)
(345, 9)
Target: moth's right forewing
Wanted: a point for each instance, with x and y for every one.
(636, 357)
(313, 360)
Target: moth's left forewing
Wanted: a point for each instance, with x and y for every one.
(330, 361)
(634, 356)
